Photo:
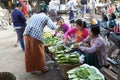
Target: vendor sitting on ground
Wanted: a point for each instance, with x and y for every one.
(95, 53)
(62, 26)
(76, 34)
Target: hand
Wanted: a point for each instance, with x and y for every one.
(76, 45)
(53, 36)
(78, 36)
(65, 42)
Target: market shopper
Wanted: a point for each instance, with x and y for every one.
(83, 3)
(76, 34)
(53, 5)
(24, 8)
(95, 53)
(34, 46)
(19, 23)
(91, 5)
(62, 26)
(71, 5)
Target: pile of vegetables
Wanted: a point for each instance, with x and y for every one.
(47, 34)
(49, 40)
(59, 47)
(69, 59)
(85, 72)
(62, 58)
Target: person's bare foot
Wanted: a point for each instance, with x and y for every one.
(45, 70)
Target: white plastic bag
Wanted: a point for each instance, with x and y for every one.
(82, 58)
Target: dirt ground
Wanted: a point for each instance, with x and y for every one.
(12, 59)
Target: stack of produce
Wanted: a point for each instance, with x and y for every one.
(62, 58)
(49, 40)
(85, 72)
(58, 47)
(69, 59)
(47, 34)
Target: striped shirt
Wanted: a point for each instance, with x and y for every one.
(36, 26)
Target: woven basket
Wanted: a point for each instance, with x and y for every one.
(50, 54)
(7, 76)
(65, 67)
(46, 49)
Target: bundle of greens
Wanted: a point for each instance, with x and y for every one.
(57, 48)
(62, 58)
(69, 59)
(51, 40)
(85, 72)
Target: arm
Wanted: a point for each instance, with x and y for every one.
(71, 31)
(55, 33)
(86, 40)
(68, 33)
(50, 24)
(94, 47)
(66, 27)
(22, 17)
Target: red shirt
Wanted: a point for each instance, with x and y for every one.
(24, 9)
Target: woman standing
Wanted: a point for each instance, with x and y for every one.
(34, 42)
(71, 4)
(53, 5)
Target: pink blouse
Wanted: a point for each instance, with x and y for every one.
(73, 31)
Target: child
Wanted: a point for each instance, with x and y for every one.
(63, 27)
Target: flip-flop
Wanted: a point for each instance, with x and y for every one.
(45, 70)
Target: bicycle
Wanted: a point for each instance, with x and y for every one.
(4, 24)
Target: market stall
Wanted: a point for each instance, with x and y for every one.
(70, 63)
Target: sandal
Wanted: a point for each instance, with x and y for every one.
(45, 70)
